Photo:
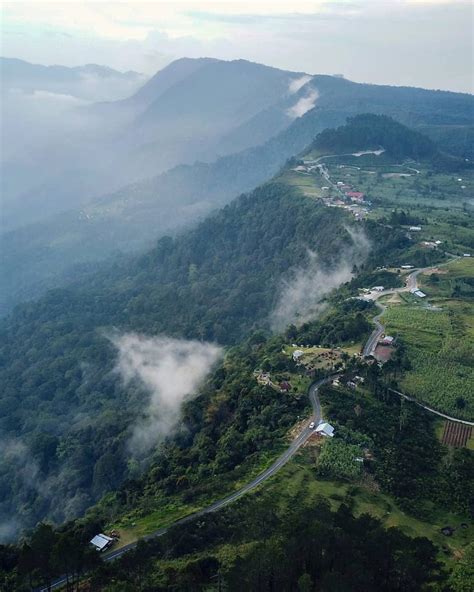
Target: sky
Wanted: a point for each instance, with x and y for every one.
(424, 43)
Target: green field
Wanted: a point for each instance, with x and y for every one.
(440, 341)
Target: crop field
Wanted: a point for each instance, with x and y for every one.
(441, 351)
(456, 435)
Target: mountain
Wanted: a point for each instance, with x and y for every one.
(217, 282)
(89, 82)
(88, 374)
(178, 116)
(40, 256)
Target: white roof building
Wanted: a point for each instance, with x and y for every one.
(378, 288)
(415, 228)
(325, 429)
(297, 354)
(101, 541)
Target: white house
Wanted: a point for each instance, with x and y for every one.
(297, 355)
(378, 288)
(406, 266)
(415, 228)
(325, 429)
(101, 542)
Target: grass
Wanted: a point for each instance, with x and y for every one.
(168, 509)
(297, 480)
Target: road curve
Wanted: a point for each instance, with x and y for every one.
(371, 343)
(266, 474)
(411, 283)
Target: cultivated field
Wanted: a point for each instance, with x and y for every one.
(456, 435)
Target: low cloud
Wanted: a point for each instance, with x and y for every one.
(303, 105)
(298, 83)
(171, 371)
(302, 296)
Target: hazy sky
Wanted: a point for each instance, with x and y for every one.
(412, 42)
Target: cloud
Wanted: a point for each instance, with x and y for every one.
(302, 295)
(171, 371)
(297, 83)
(303, 105)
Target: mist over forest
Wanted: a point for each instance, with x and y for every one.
(236, 306)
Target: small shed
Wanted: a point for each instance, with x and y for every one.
(101, 542)
(325, 429)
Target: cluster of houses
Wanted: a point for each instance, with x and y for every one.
(352, 383)
(347, 190)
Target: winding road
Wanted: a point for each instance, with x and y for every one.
(411, 284)
(297, 443)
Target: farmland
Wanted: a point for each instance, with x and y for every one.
(456, 435)
(441, 356)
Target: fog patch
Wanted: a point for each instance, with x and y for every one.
(297, 83)
(9, 529)
(303, 105)
(302, 295)
(171, 371)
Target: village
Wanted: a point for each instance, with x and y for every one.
(337, 194)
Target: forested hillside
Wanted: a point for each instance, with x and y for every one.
(371, 132)
(60, 404)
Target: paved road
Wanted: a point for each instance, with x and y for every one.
(430, 409)
(411, 283)
(272, 469)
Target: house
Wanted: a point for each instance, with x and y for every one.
(263, 378)
(387, 340)
(355, 195)
(378, 288)
(285, 386)
(415, 228)
(466, 254)
(406, 266)
(297, 355)
(325, 188)
(101, 542)
(418, 293)
(325, 429)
